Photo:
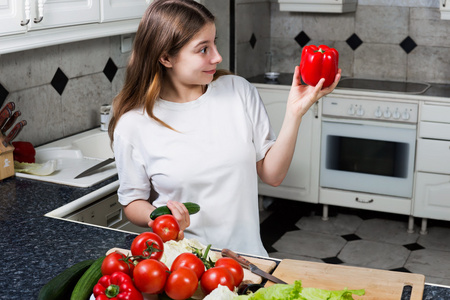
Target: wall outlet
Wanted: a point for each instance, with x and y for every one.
(126, 43)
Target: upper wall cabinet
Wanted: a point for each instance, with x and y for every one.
(445, 9)
(113, 10)
(319, 6)
(64, 21)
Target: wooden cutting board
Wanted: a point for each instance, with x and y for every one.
(378, 284)
(264, 264)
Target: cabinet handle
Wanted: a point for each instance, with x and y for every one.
(27, 13)
(40, 11)
(444, 2)
(363, 201)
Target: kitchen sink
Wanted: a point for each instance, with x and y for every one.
(404, 87)
(74, 155)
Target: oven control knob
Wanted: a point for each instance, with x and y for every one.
(405, 115)
(396, 114)
(387, 113)
(378, 112)
(351, 110)
(360, 111)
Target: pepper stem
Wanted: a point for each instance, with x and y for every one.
(112, 291)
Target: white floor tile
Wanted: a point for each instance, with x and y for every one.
(311, 244)
(376, 255)
(387, 231)
(339, 225)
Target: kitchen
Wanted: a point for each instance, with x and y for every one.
(28, 77)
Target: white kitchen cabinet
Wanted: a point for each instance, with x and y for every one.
(11, 17)
(432, 198)
(302, 180)
(113, 10)
(319, 6)
(64, 21)
(445, 9)
(432, 187)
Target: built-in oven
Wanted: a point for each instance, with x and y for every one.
(367, 152)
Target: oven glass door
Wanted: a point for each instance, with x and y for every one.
(368, 157)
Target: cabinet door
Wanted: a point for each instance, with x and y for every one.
(59, 13)
(113, 10)
(12, 13)
(302, 180)
(432, 196)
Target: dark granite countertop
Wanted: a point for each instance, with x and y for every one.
(35, 248)
(435, 89)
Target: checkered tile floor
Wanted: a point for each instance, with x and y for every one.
(292, 229)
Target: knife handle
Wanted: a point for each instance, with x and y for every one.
(5, 114)
(10, 121)
(242, 261)
(14, 132)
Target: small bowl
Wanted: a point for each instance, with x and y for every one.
(272, 75)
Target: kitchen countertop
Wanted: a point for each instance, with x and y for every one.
(436, 91)
(36, 248)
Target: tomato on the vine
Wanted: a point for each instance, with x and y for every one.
(190, 261)
(167, 227)
(215, 276)
(117, 262)
(181, 284)
(150, 276)
(234, 267)
(147, 244)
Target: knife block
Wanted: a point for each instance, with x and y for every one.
(6, 159)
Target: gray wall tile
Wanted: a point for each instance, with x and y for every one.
(372, 61)
(381, 24)
(25, 69)
(86, 57)
(82, 100)
(432, 63)
(42, 109)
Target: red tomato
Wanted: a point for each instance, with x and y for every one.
(150, 276)
(181, 284)
(115, 262)
(145, 241)
(167, 227)
(190, 261)
(234, 267)
(215, 276)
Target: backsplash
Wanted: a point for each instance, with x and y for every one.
(59, 89)
(383, 39)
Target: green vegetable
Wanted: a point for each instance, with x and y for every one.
(192, 208)
(83, 288)
(61, 286)
(297, 292)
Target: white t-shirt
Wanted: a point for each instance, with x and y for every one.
(210, 160)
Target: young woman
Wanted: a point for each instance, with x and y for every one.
(184, 132)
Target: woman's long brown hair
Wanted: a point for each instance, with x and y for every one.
(167, 25)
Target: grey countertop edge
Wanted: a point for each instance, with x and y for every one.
(36, 248)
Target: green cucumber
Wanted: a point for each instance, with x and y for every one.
(83, 288)
(61, 286)
(192, 208)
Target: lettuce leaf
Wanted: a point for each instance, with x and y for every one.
(297, 292)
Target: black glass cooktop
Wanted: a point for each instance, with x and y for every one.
(384, 85)
(403, 87)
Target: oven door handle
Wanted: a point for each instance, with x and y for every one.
(357, 199)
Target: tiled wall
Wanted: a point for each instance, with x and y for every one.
(397, 40)
(59, 89)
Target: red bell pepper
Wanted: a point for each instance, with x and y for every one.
(24, 152)
(319, 62)
(117, 286)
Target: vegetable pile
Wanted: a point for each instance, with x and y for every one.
(159, 265)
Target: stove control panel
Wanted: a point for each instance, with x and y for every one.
(388, 111)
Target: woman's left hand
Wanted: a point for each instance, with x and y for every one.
(302, 97)
(180, 212)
